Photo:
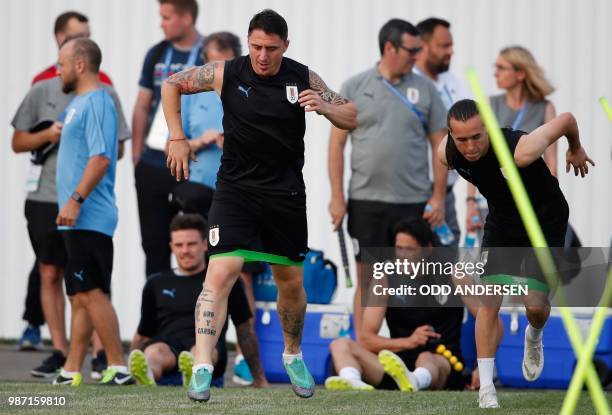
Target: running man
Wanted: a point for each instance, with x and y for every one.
(259, 208)
(467, 149)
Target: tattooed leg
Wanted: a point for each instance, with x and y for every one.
(291, 305)
(250, 349)
(211, 307)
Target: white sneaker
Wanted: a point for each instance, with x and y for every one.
(487, 397)
(533, 358)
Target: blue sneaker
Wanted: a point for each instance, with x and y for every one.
(199, 386)
(242, 373)
(30, 339)
(302, 382)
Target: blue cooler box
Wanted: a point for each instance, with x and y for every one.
(322, 324)
(559, 358)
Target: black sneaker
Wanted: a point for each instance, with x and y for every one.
(98, 365)
(113, 377)
(50, 366)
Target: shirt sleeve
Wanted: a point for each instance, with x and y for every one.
(94, 134)
(146, 76)
(124, 130)
(238, 305)
(148, 321)
(26, 116)
(437, 112)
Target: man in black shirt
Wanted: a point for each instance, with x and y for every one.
(258, 211)
(166, 332)
(405, 360)
(467, 149)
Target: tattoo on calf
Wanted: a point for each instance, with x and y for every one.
(250, 349)
(292, 322)
(205, 296)
(210, 332)
(194, 80)
(329, 96)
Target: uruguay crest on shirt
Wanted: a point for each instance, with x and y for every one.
(292, 93)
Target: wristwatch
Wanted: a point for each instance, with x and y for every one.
(76, 196)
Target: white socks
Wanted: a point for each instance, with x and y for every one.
(423, 377)
(289, 358)
(206, 366)
(68, 374)
(533, 334)
(353, 376)
(486, 367)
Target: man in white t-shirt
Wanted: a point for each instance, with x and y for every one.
(433, 62)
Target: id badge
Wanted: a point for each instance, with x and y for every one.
(33, 179)
(158, 134)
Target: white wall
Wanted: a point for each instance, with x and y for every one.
(570, 38)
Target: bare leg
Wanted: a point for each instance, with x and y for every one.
(488, 329)
(247, 338)
(96, 343)
(347, 353)
(52, 301)
(80, 333)
(247, 281)
(211, 307)
(105, 323)
(160, 358)
(357, 306)
(291, 304)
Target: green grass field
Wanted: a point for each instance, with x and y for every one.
(91, 399)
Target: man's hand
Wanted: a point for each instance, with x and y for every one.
(475, 383)
(179, 154)
(436, 215)
(312, 101)
(207, 138)
(54, 132)
(420, 336)
(69, 213)
(578, 160)
(473, 220)
(337, 210)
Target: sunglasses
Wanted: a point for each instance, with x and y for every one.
(412, 51)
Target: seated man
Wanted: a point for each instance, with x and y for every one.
(166, 332)
(406, 361)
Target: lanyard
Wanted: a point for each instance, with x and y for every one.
(407, 103)
(519, 117)
(193, 55)
(448, 94)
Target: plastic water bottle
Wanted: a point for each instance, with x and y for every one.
(443, 231)
(471, 238)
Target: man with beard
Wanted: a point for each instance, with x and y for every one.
(433, 63)
(166, 333)
(87, 216)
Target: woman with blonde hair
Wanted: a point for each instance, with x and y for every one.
(522, 107)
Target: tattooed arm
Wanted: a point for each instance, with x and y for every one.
(250, 349)
(208, 77)
(333, 106)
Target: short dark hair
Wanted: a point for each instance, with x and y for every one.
(184, 6)
(190, 221)
(462, 111)
(392, 31)
(225, 41)
(62, 20)
(428, 26)
(88, 50)
(418, 229)
(270, 22)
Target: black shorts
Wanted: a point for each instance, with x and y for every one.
(90, 261)
(46, 240)
(371, 223)
(258, 227)
(509, 257)
(176, 345)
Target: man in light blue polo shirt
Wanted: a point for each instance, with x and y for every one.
(85, 181)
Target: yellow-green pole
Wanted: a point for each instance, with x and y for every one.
(606, 107)
(536, 237)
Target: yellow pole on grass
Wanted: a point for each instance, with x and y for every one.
(537, 239)
(573, 392)
(606, 107)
